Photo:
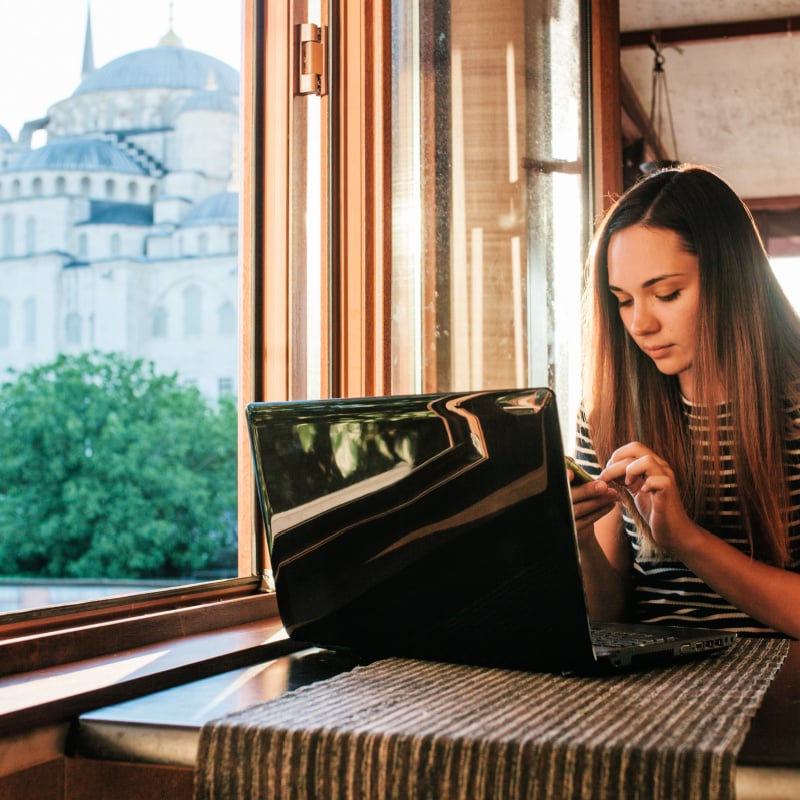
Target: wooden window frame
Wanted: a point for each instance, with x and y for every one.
(47, 637)
(359, 194)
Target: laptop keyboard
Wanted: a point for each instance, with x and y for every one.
(613, 637)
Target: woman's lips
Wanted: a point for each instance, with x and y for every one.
(658, 352)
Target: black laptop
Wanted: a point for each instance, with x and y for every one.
(436, 526)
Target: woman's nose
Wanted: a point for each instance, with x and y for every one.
(642, 320)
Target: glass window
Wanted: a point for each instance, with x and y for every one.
(431, 254)
(488, 207)
(787, 271)
(102, 122)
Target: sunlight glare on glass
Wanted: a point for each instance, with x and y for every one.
(787, 271)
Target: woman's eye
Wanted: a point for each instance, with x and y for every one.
(622, 303)
(668, 298)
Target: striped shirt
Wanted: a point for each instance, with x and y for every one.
(665, 591)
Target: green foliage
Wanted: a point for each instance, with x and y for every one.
(110, 470)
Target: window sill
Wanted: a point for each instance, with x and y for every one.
(116, 660)
(34, 640)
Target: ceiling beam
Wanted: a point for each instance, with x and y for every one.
(782, 203)
(690, 34)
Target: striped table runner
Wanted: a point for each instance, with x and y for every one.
(417, 730)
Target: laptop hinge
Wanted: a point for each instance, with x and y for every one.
(312, 55)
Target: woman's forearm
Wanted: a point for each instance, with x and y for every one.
(607, 589)
(767, 593)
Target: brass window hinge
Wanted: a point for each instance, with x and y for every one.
(313, 60)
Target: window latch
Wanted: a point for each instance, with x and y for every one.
(312, 57)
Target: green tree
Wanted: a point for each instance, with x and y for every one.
(108, 469)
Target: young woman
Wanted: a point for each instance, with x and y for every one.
(691, 415)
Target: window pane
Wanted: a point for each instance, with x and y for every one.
(118, 314)
(489, 216)
(787, 271)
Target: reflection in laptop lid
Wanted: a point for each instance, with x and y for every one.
(436, 526)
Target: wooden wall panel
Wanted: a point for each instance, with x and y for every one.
(40, 782)
(89, 779)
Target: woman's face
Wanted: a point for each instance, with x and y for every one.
(657, 287)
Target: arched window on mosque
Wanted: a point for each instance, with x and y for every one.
(159, 323)
(192, 311)
(5, 322)
(8, 235)
(111, 189)
(30, 235)
(61, 185)
(37, 188)
(29, 320)
(226, 317)
(86, 186)
(72, 328)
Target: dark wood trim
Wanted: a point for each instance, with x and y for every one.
(43, 781)
(785, 203)
(45, 697)
(87, 779)
(692, 34)
(84, 641)
(71, 615)
(606, 103)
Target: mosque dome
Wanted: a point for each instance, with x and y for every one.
(218, 209)
(5, 136)
(167, 66)
(89, 155)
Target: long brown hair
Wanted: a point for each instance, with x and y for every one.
(748, 339)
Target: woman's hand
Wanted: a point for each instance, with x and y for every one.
(591, 501)
(651, 483)
(605, 553)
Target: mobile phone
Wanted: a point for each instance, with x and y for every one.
(581, 475)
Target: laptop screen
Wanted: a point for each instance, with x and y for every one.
(434, 526)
